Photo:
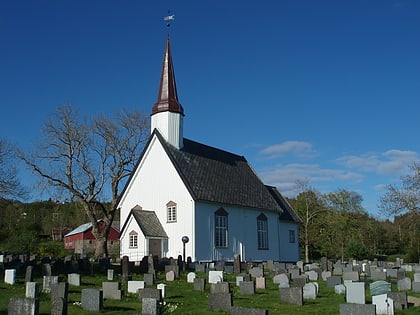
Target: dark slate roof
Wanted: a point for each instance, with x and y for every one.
(215, 175)
(289, 214)
(149, 223)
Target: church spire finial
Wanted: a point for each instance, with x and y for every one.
(167, 99)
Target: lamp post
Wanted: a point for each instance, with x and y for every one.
(185, 240)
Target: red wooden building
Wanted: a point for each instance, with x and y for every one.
(82, 241)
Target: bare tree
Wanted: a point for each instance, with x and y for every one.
(309, 205)
(10, 186)
(406, 198)
(90, 160)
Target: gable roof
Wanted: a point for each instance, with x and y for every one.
(148, 223)
(289, 214)
(87, 226)
(214, 175)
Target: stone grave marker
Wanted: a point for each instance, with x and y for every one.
(294, 273)
(312, 275)
(59, 290)
(239, 279)
(247, 287)
(404, 284)
(400, 274)
(174, 268)
(256, 272)
(92, 300)
(47, 282)
(170, 275)
(355, 293)
(309, 291)
(281, 278)
(351, 275)
(110, 274)
(325, 275)
(415, 287)
(220, 287)
(400, 300)
(125, 266)
(133, 286)
(299, 281)
(378, 275)
(359, 309)
(215, 276)
(237, 264)
(32, 290)
(150, 264)
(260, 283)
(190, 277)
(10, 276)
(379, 287)
(237, 310)
(391, 273)
(162, 288)
(199, 284)
(58, 306)
(23, 306)
(111, 290)
(220, 302)
(46, 270)
(291, 295)
(29, 274)
(333, 281)
(150, 293)
(337, 271)
(340, 289)
(74, 279)
(383, 304)
(149, 279)
(150, 306)
(416, 277)
(200, 268)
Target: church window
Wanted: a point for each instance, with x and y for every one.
(133, 239)
(292, 238)
(262, 231)
(171, 211)
(221, 228)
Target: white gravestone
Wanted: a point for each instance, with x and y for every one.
(215, 276)
(10, 276)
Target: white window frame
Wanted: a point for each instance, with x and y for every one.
(171, 212)
(262, 232)
(133, 240)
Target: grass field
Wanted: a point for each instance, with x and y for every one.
(182, 299)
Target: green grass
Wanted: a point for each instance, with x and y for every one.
(182, 299)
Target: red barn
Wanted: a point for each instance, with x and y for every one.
(82, 241)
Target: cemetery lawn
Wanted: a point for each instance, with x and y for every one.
(182, 299)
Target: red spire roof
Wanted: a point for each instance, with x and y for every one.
(167, 99)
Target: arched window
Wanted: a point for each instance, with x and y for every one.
(221, 228)
(171, 211)
(262, 231)
(133, 239)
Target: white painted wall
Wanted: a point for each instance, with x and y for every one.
(154, 184)
(170, 125)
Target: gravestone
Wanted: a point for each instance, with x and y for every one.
(383, 304)
(125, 266)
(10, 276)
(400, 300)
(299, 281)
(340, 289)
(29, 274)
(110, 274)
(415, 287)
(400, 274)
(291, 295)
(379, 287)
(92, 300)
(416, 277)
(309, 291)
(333, 281)
(312, 275)
(111, 290)
(228, 269)
(170, 275)
(74, 279)
(200, 268)
(237, 264)
(294, 273)
(149, 279)
(32, 290)
(239, 279)
(359, 309)
(162, 288)
(325, 275)
(46, 270)
(199, 284)
(355, 293)
(47, 282)
(150, 306)
(247, 287)
(237, 310)
(220, 287)
(59, 290)
(220, 302)
(215, 276)
(134, 286)
(404, 284)
(256, 272)
(260, 283)
(150, 265)
(174, 268)
(299, 264)
(351, 275)
(337, 271)
(150, 293)
(378, 275)
(23, 306)
(281, 278)
(58, 306)
(391, 273)
(190, 277)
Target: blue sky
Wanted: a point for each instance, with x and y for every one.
(327, 91)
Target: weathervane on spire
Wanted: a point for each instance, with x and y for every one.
(169, 18)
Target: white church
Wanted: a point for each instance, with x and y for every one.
(180, 188)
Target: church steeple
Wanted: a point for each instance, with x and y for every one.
(167, 112)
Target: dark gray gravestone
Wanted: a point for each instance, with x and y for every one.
(357, 309)
(48, 282)
(299, 281)
(174, 268)
(150, 265)
(404, 284)
(59, 290)
(220, 287)
(220, 302)
(378, 275)
(237, 264)
(150, 293)
(23, 306)
(333, 281)
(149, 279)
(256, 272)
(150, 306)
(247, 287)
(237, 310)
(415, 286)
(92, 299)
(125, 266)
(400, 300)
(58, 306)
(199, 284)
(29, 274)
(200, 268)
(46, 270)
(291, 295)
